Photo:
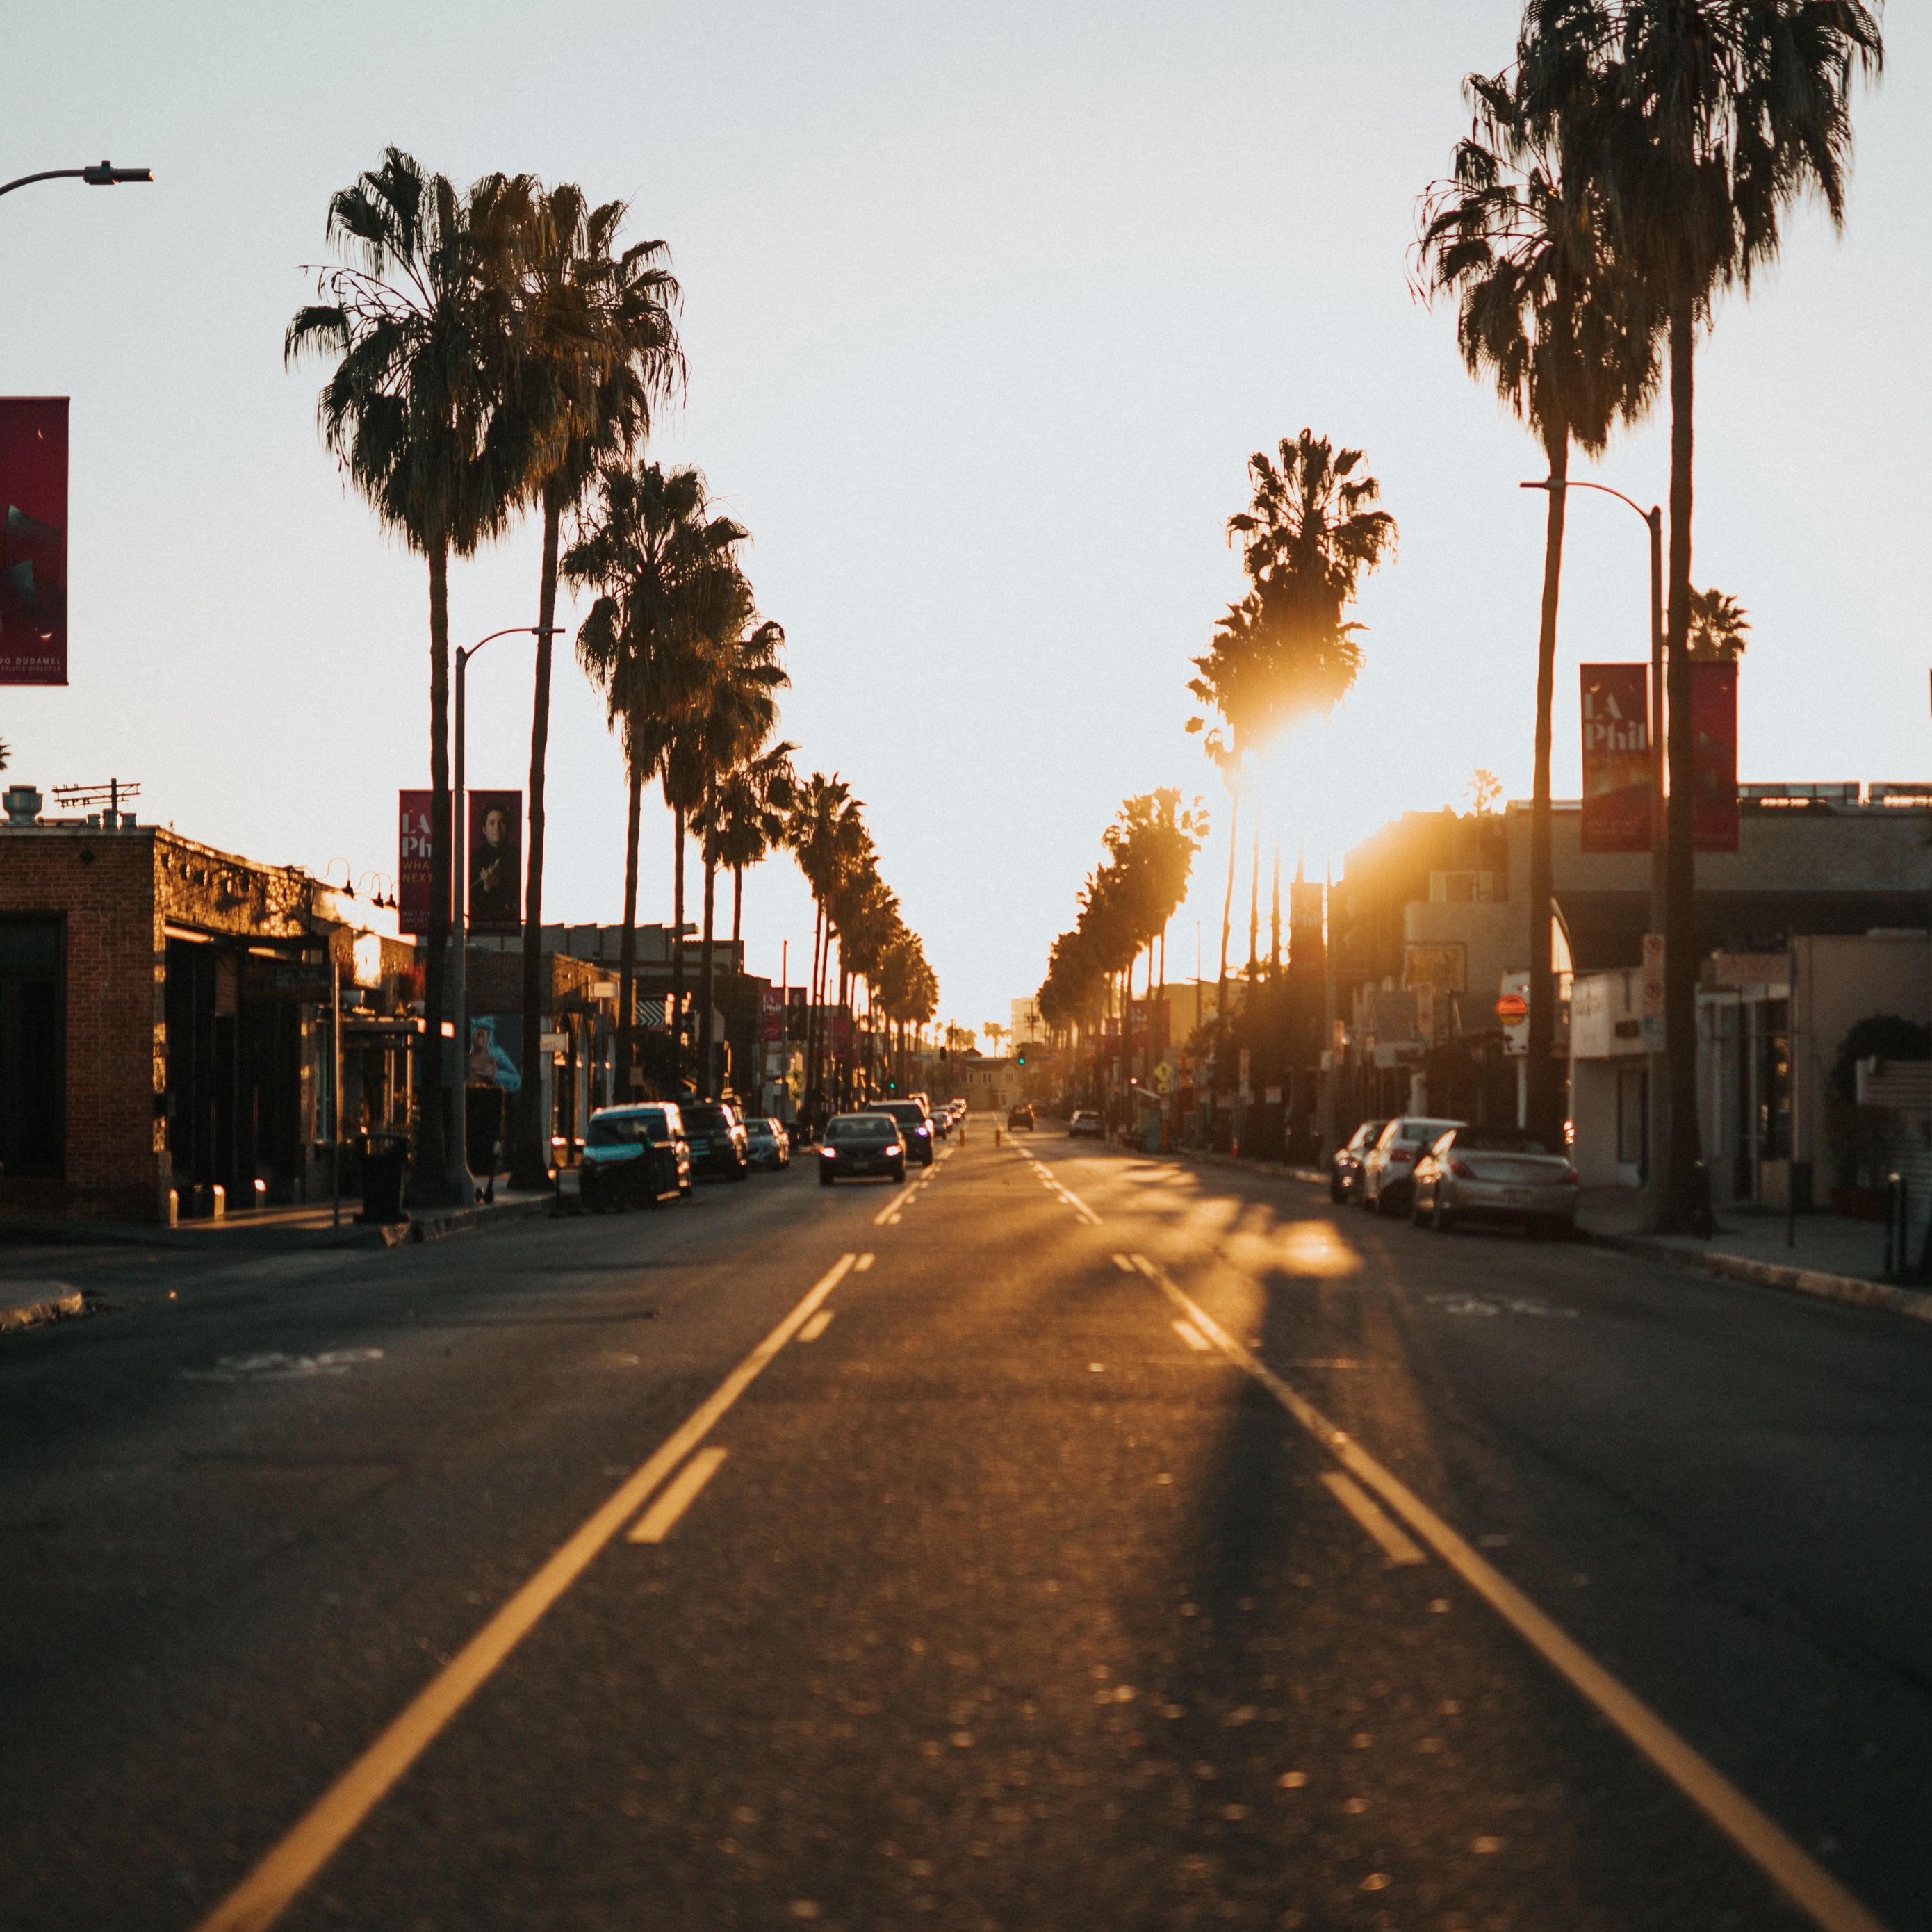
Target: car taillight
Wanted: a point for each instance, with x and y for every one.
(1462, 1170)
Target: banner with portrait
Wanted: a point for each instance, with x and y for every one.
(33, 539)
(493, 874)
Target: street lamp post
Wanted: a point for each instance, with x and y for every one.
(459, 1135)
(107, 174)
(1657, 1113)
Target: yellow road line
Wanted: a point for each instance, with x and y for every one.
(1125, 1267)
(818, 1325)
(678, 1494)
(891, 1207)
(267, 1892)
(1798, 1876)
(863, 1263)
(1396, 1546)
(1192, 1335)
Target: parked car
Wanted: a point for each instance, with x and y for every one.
(861, 1144)
(1086, 1123)
(633, 1157)
(767, 1143)
(1020, 1116)
(1345, 1165)
(915, 1127)
(1495, 1173)
(718, 1145)
(1388, 1168)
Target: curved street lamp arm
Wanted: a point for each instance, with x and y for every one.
(1577, 483)
(105, 176)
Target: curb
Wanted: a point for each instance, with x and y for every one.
(59, 1300)
(1849, 1289)
(438, 1227)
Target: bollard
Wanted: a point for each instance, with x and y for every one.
(1895, 1217)
(996, 1137)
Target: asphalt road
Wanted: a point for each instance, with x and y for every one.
(1095, 1542)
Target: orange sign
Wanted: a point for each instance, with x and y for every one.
(1512, 1007)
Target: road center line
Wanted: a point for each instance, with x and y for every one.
(818, 1325)
(267, 1892)
(678, 1494)
(1396, 1546)
(1798, 1876)
(892, 1206)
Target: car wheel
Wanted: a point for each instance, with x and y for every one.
(1415, 1214)
(1386, 1205)
(742, 1171)
(826, 1177)
(1336, 1192)
(1442, 1221)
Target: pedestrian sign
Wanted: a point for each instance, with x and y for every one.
(1163, 1078)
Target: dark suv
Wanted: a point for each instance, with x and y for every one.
(915, 1127)
(633, 1157)
(719, 1145)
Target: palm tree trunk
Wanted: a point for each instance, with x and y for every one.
(530, 1166)
(707, 1057)
(738, 908)
(674, 1014)
(430, 1182)
(1543, 1094)
(1227, 922)
(627, 944)
(1686, 1208)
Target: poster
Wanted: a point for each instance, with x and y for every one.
(414, 871)
(1616, 758)
(771, 1015)
(33, 540)
(493, 889)
(1713, 758)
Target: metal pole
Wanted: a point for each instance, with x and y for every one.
(459, 1130)
(335, 1086)
(1658, 1132)
(1791, 1100)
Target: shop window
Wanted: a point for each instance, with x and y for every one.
(33, 1050)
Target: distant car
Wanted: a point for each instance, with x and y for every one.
(1494, 1174)
(633, 1157)
(855, 1145)
(915, 1127)
(941, 1119)
(1388, 1167)
(1086, 1122)
(719, 1145)
(1345, 1167)
(1020, 1116)
(766, 1143)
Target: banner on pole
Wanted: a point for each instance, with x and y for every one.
(494, 895)
(33, 540)
(414, 871)
(1616, 758)
(1713, 758)
(771, 1015)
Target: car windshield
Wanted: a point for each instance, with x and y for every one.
(760, 1130)
(708, 1119)
(908, 1113)
(610, 1130)
(860, 1127)
(1416, 1132)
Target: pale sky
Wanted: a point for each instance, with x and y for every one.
(985, 309)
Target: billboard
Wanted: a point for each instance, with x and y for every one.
(414, 871)
(494, 892)
(1713, 758)
(33, 540)
(1616, 758)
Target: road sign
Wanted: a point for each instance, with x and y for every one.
(1511, 1008)
(1653, 975)
(1163, 1078)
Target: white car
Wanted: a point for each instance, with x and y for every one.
(1388, 1167)
(1496, 1174)
(1085, 1121)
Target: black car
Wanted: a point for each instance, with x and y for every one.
(1020, 1116)
(1345, 1167)
(719, 1145)
(633, 1157)
(915, 1127)
(861, 1144)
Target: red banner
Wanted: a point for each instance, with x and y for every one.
(33, 540)
(1713, 758)
(493, 891)
(1616, 758)
(414, 872)
(771, 1015)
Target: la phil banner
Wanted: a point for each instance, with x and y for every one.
(494, 900)
(1616, 758)
(33, 540)
(1713, 758)
(414, 872)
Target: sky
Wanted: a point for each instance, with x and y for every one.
(984, 308)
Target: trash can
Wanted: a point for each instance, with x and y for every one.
(385, 1167)
(484, 1129)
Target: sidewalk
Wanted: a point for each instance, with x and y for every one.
(24, 1303)
(1834, 1258)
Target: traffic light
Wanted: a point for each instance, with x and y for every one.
(1022, 1056)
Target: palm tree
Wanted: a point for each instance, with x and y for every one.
(600, 353)
(994, 1032)
(750, 807)
(1549, 313)
(1720, 628)
(420, 317)
(826, 833)
(1705, 120)
(651, 550)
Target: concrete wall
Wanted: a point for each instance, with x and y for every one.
(1840, 982)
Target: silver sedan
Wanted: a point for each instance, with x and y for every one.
(1498, 1174)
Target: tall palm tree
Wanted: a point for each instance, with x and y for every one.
(751, 805)
(1720, 628)
(1705, 120)
(1550, 314)
(600, 352)
(826, 830)
(419, 316)
(651, 550)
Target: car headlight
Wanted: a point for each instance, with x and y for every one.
(826, 1154)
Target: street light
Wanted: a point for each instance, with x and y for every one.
(459, 1137)
(107, 174)
(1658, 1118)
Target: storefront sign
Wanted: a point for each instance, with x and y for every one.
(1616, 758)
(33, 540)
(414, 872)
(1713, 758)
(493, 897)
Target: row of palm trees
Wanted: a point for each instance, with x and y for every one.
(498, 351)
(1632, 165)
